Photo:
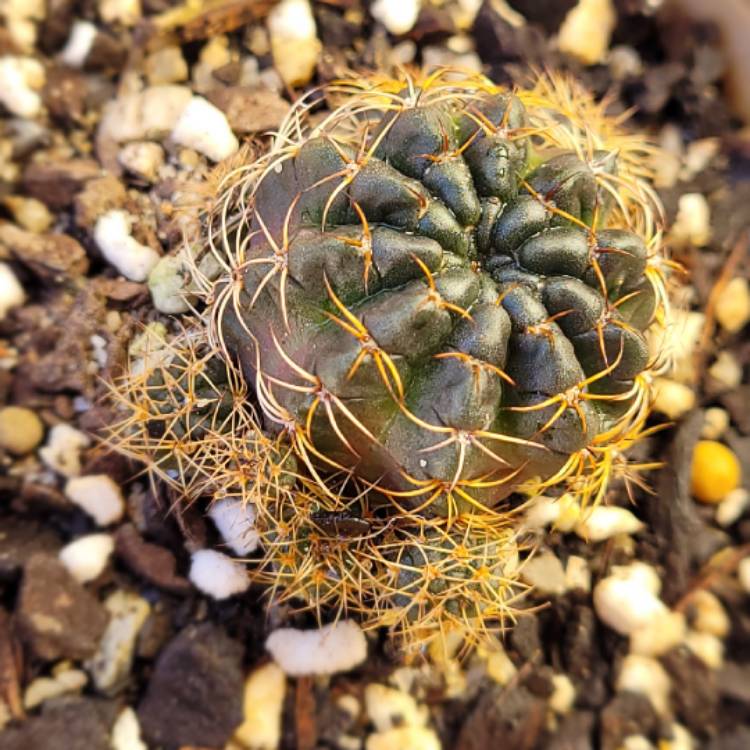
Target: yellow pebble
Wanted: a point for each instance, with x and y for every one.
(715, 471)
(21, 430)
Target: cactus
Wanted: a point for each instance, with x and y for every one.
(431, 299)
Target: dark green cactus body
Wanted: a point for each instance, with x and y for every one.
(415, 308)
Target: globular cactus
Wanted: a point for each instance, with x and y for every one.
(436, 294)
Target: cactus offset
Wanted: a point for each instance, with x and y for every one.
(437, 295)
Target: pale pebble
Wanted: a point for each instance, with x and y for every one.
(263, 703)
(166, 282)
(388, 708)
(43, 689)
(626, 600)
(404, 738)
(715, 423)
(205, 128)
(732, 507)
(98, 495)
(708, 614)
(62, 451)
(743, 574)
(120, 249)
(294, 43)
(645, 675)
(577, 574)
(563, 694)
(606, 521)
(87, 557)
(672, 399)
(79, 44)
(663, 632)
(144, 115)
(11, 292)
(166, 65)
(111, 664)
(545, 573)
(217, 575)
(143, 159)
(29, 213)
(732, 308)
(21, 78)
(125, 12)
(398, 16)
(126, 731)
(636, 742)
(337, 647)
(500, 668)
(681, 739)
(726, 371)
(692, 226)
(235, 521)
(586, 30)
(708, 648)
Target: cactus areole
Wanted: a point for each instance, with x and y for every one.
(433, 296)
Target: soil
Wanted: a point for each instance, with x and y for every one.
(59, 348)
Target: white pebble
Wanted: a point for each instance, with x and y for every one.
(626, 600)
(404, 738)
(63, 448)
(586, 30)
(733, 305)
(644, 675)
(204, 128)
(577, 574)
(715, 423)
(79, 44)
(87, 557)
(235, 521)
(693, 222)
(563, 694)
(672, 399)
(398, 16)
(263, 705)
(388, 708)
(20, 80)
(11, 291)
(708, 648)
(132, 259)
(337, 647)
(217, 575)
(545, 573)
(606, 521)
(99, 496)
(709, 615)
(743, 574)
(126, 732)
(661, 634)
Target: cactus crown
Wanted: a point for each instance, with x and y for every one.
(420, 302)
